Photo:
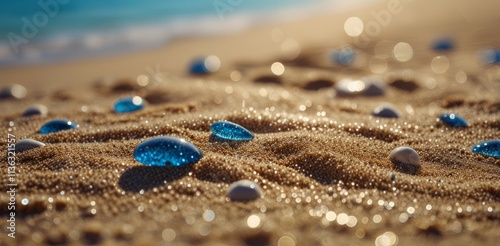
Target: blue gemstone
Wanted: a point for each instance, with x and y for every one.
(490, 148)
(443, 44)
(57, 125)
(344, 56)
(205, 65)
(230, 131)
(129, 104)
(165, 151)
(453, 120)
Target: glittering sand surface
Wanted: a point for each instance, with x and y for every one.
(322, 160)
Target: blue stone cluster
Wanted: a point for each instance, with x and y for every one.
(173, 151)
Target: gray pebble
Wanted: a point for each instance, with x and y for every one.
(244, 190)
(374, 86)
(36, 109)
(405, 159)
(386, 111)
(15, 91)
(27, 144)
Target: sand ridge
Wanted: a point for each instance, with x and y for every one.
(322, 160)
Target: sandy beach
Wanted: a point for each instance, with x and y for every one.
(320, 157)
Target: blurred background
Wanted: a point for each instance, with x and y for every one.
(51, 30)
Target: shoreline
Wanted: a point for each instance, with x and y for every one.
(252, 45)
(153, 36)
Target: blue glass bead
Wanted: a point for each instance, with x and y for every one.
(490, 148)
(205, 65)
(57, 125)
(443, 44)
(453, 120)
(230, 131)
(129, 104)
(344, 56)
(165, 151)
(386, 111)
(490, 56)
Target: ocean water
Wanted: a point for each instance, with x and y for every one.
(34, 31)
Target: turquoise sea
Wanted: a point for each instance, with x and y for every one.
(34, 31)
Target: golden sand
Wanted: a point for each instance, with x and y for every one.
(321, 160)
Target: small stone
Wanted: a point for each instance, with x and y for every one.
(405, 159)
(129, 104)
(405, 85)
(27, 144)
(490, 148)
(230, 131)
(165, 151)
(344, 56)
(443, 44)
(244, 190)
(386, 111)
(14, 91)
(57, 125)
(36, 109)
(453, 120)
(349, 88)
(374, 86)
(205, 65)
(318, 84)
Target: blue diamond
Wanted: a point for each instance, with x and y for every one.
(230, 131)
(57, 125)
(453, 120)
(490, 148)
(165, 151)
(129, 104)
